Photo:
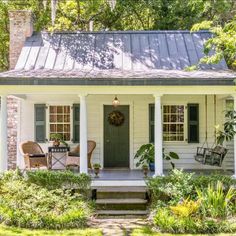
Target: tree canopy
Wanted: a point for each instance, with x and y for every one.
(218, 16)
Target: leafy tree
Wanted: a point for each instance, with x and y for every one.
(128, 15)
(223, 42)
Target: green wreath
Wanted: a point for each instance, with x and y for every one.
(116, 118)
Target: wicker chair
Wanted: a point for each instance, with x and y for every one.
(33, 155)
(73, 157)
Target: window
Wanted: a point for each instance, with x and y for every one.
(173, 123)
(59, 121)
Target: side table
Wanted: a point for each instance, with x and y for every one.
(57, 159)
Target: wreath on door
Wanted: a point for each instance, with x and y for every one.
(116, 118)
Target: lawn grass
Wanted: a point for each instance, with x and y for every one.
(12, 231)
(146, 231)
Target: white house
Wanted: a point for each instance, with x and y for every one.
(65, 82)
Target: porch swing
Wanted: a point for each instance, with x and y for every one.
(215, 155)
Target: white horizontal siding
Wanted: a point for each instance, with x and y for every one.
(139, 107)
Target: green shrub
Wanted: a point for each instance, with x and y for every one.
(179, 185)
(215, 202)
(167, 222)
(28, 205)
(60, 180)
(171, 188)
(202, 181)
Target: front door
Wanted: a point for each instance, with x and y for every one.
(116, 136)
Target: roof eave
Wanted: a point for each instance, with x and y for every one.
(57, 81)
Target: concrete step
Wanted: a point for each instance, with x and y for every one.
(121, 192)
(121, 189)
(122, 212)
(121, 201)
(120, 195)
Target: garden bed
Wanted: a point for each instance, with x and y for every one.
(187, 203)
(44, 200)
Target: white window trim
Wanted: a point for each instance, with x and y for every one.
(48, 121)
(185, 120)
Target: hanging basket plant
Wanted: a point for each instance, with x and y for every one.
(116, 118)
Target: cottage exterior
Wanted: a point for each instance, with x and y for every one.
(65, 82)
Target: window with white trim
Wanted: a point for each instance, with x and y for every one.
(173, 122)
(59, 121)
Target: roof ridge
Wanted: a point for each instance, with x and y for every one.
(129, 32)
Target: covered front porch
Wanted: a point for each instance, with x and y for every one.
(92, 101)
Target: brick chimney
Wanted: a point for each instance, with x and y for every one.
(21, 27)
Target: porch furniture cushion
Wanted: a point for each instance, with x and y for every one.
(34, 156)
(75, 154)
(74, 160)
(37, 155)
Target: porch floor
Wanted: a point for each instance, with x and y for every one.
(126, 174)
(134, 178)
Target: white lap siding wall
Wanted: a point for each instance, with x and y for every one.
(139, 124)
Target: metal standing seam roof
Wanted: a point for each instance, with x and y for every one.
(146, 55)
(135, 51)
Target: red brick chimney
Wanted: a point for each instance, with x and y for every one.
(21, 27)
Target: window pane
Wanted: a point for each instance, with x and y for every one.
(60, 109)
(59, 119)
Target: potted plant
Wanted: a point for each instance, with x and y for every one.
(96, 168)
(146, 154)
(145, 170)
(57, 140)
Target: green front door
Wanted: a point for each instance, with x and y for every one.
(116, 138)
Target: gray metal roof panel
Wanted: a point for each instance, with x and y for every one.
(142, 50)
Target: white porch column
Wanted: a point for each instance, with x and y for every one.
(234, 96)
(83, 135)
(3, 134)
(158, 136)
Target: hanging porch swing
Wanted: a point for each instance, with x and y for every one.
(215, 155)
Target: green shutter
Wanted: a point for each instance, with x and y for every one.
(151, 122)
(76, 123)
(40, 122)
(193, 123)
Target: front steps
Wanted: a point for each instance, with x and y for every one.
(121, 201)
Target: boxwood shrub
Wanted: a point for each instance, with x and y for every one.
(26, 202)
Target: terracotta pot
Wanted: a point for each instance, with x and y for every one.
(56, 143)
(96, 172)
(145, 171)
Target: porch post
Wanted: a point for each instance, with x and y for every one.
(83, 135)
(158, 136)
(234, 96)
(3, 134)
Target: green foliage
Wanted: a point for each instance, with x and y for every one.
(14, 231)
(223, 42)
(179, 185)
(215, 202)
(146, 155)
(129, 15)
(60, 180)
(96, 166)
(171, 188)
(28, 205)
(186, 208)
(187, 203)
(58, 137)
(228, 128)
(167, 222)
